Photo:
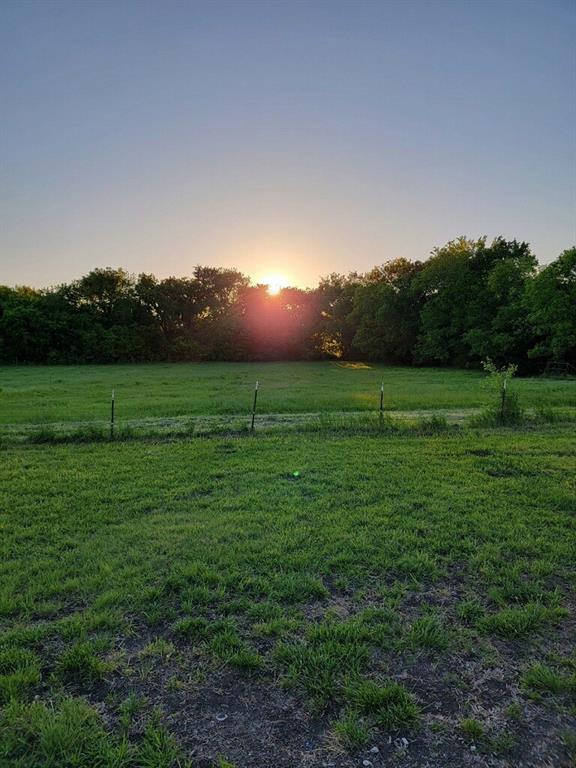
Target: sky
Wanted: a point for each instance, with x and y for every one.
(296, 137)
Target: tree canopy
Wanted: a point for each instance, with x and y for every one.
(469, 301)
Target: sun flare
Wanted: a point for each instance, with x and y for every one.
(274, 283)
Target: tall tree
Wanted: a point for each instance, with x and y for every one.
(551, 305)
(386, 312)
(337, 328)
(473, 305)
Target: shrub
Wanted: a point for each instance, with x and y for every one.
(504, 408)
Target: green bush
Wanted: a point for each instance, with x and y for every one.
(504, 408)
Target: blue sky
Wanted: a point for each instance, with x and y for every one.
(295, 137)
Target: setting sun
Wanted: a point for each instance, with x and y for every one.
(275, 283)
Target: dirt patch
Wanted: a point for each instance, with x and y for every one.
(252, 721)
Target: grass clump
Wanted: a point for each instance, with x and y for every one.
(200, 596)
(159, 649)
(491, 743)
(158, 748)
(520, 623)
(318, 663)
(514, 712)
(275, 627)
(297, 588)
(192, 628)
(545, 415)
(352, 731)
(389, 704)
(70, 734)
(80, 664)
(542, 679)
(470, 611)
(19, 671)
(417, 566)
(472, 729)
(569, 741)
(501, 743)
(66, 735)
(42, 436)
(226, 645)
(128, 709)
(225, 642)
(265, 611)
(246, 660)
(87, 434)
(428, 632)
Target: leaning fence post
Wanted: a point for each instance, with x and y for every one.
(112, 416)
(503, 404)
(382, 400)
(254, 406)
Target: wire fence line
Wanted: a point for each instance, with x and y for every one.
(254, 420)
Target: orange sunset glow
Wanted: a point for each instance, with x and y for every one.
(275, 283)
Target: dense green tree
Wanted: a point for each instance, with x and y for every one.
(551, 304)
(469, 301)
(473, 302)
(23, 331)
(334, 336)
(386, 312)
(188, 311)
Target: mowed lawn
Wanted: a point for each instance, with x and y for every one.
(197, 601)
(54, 394)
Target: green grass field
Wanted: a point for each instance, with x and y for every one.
(196, 602)
(34, 395)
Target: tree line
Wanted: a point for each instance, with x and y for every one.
(469, 301)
